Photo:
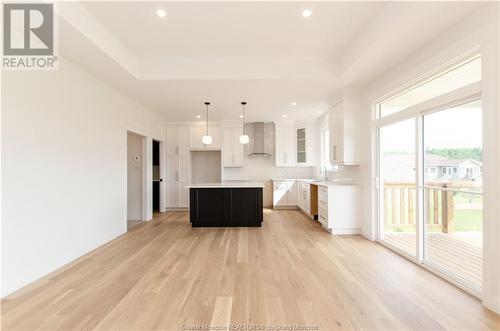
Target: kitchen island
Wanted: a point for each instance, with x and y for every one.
(237, 203)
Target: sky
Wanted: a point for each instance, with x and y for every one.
(459, 127)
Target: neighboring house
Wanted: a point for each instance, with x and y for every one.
(401, 168)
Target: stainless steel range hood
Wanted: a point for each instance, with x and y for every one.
(261, 139)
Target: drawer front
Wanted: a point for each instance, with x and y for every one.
(322, 211)
(307, 187)
(323, 205)
(322, 199)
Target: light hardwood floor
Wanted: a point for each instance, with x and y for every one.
(164, 275)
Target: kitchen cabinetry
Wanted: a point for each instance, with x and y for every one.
(285, 146)
(296, 145)
(344, 124)
(338, 210)
(304, 197)
(284, 193)
(196, 133)
(178, 167)
(301, 146)
(232, 151)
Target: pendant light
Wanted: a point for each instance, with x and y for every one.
(206, 139)
(243, 138)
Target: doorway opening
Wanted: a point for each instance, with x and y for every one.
(135, 175)
(156, 177)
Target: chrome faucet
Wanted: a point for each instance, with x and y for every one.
(323, 168)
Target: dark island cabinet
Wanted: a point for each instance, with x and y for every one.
(217, 207)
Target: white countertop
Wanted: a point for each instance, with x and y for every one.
(228, 184)
(297, 179)
(336, 183)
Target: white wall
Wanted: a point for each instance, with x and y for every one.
(64, 168)
(205, 166)
(134, 176)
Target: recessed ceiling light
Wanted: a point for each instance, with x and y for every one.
(319, 111)
(198, 116)
(284, 116)
(241, 116)
(307, 13)
(294, 104)
(161, 13)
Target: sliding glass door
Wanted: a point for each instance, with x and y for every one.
(430, 173)
(453, 200)
(398, 186)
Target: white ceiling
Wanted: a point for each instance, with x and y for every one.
(263, 52)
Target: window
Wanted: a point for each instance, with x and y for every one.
(325, 148)
(462, 75)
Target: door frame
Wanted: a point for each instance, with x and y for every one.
(417, 112)
(144, 186)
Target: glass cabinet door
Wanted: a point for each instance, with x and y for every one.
(301, 145)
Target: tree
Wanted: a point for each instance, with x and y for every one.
(475, 153)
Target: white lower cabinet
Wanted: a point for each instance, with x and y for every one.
(338, 209)
(304, 197)
(177, 179)
(284, 193)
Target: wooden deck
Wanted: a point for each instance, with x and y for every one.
(461, 253)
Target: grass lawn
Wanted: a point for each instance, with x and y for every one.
(464, 220)
(468, 220)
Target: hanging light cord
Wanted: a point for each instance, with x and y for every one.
(243, 118)
(207, 103)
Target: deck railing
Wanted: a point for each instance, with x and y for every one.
(400, 209)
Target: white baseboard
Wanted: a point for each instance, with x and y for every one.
(285, 207)
(346, 231)
(134, 217)
(177, 209)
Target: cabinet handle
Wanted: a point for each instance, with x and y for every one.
(177, 175)
(335, 153)
(177, 150)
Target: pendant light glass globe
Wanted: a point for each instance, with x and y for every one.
(244, 139)
(206, 139)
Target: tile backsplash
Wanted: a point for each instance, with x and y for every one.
(260, 168)
(347, 173)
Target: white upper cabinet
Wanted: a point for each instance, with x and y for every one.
(285, 146)
(177, 140)
(196, 133)
(296, 145)
(307, 144)
(232, 150)
(345, 130)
